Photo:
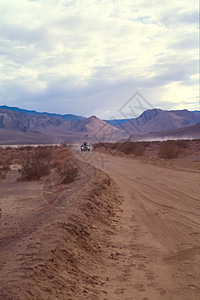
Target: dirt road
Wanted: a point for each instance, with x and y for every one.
(156, 250)
(133, 234)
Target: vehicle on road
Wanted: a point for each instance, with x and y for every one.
(85, 147)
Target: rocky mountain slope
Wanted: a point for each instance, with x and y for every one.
(188, 132)
(22, 126)
(67, 117)
(43, 128)
(161, 120)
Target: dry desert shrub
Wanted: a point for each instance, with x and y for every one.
(136, 148)
(2, 174)
(68, 172)
(5, 163)
(25, 148)
(139, 149)
(169, 150)
(40, 161)
(43, 153)
(36, 164)
(99, 145)
(114, 145)
(128, 147)
(146, 144)
(183, 143)
(60, 154)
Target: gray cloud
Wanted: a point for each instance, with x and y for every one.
(173, 70)
(189, 41)
(180, 17)
(22, 34)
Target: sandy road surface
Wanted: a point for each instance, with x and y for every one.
(157, 241)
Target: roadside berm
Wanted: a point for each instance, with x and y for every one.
(55, 239)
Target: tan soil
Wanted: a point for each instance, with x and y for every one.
(157, 240)
(53, 236)
(133, 234)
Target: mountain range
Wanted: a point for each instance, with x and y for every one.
(20, 126)
(67, 117)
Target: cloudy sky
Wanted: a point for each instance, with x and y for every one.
(90, 57)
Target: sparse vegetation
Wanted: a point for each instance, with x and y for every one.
(99, 145)
(169, 150)
(183, 143)
(128, 147)
(5, 163)
(36, 164)
(68, 172)
(164, 149)
(115, 145)
(146, 144)
(136, 148)
(26, 148)
(2, 174)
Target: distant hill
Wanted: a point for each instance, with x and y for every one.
(25, 122)
(160, 120)
(188, 132)
(67, 117)
(45, 128)
(97, 129)
(23, 126)
(91, 124)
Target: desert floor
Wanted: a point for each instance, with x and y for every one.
(130, 232)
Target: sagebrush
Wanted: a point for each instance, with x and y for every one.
(68, 172)
(169, 150)
(36, 164)
(127, 147)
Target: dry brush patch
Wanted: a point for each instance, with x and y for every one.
(178, 154)
(5, 162)
(135, 148)
(169, 150)
(128, 147)
(174, 148)
(36, 163)
(33, 163)
(41, 161)
(68, 172)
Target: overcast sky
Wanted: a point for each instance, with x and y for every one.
(89, 57)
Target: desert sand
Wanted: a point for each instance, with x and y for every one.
(124, 230)
(157, 239)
